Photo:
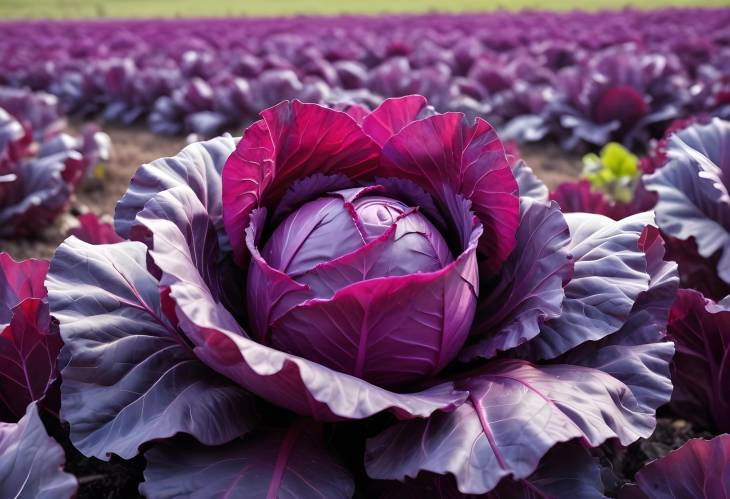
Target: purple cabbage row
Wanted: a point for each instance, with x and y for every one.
(40, 165)
(571, 77)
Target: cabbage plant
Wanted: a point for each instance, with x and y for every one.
(39, 169)
(700, 329)
(610, 185)
(345, 301)
(693, 190)
(685, 178)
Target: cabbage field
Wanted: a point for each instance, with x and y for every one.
(469, 254)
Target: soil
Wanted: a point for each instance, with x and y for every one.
(113, 479)
(549, 162)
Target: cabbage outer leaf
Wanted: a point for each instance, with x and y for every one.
(128, 375)
(31, 462)
(288, 463)
(516, 412)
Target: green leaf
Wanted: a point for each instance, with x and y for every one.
(619, 160)
(616, 164)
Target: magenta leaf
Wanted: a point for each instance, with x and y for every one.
(129, 376)
(515, 414)
(292, 141)
(29, 340)
(444, 154)
(530, 286)
(391, 116)
(699, 469)
(700, 330)
(288, 463)
(93, 231)
(29, 346)
(580, 197)
(246, 174)
(31, 462)
(621, 104)
(18, 281)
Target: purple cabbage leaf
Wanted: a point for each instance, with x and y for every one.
(31, 462)
(698, 469)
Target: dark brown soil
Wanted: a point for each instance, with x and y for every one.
(115, 479)
(553, 165)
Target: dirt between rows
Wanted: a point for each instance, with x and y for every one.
(134, 146)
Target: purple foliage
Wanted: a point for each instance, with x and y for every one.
(627, 91)
(362, 295)
(94, 230)
(693, 190)
(685, 178)
(228, 311)
(153, 379)
(285, 463)
(568, 470)
(697, 470)
(574, 77)
(29, 339)
(40, 167)
(31, 462)
(700, 329)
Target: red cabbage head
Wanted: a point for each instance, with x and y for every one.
(345, 249)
